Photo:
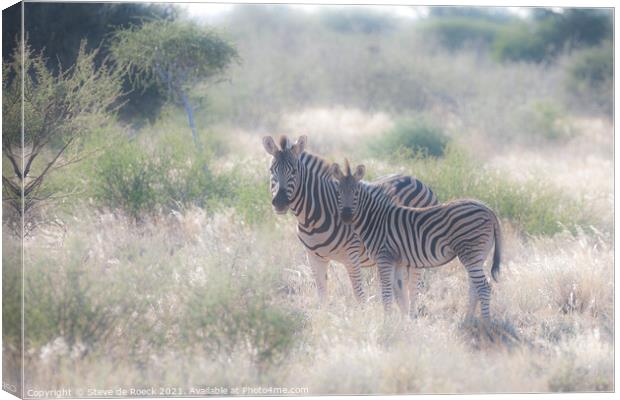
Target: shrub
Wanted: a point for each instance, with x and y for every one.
(455, 32)
(545, 37)
(353, 20)
(250, 197)
(127, 179)
(519, 42)
(544, 120)
(590, 78)
(58, 111)
(411, 135)
(76, 302)
(227, 319)
(11, 292)
(140, 180)
(534, 207)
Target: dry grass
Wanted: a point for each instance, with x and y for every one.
(553, 311)
(159, 282)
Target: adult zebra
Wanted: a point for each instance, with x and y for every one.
(301, 182)
(400, 237)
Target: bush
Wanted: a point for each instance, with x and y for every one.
(142, 181)
(229, 319)
(590, 78)
(545, 37)
(12, 277)
(127, 177)
(533, 207)
(455, 32)
(75, 302)
(250, 197)
(411, 135)
(354, 20)
(544, 120)
(520, 42)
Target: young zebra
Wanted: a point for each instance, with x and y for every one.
(300, 181)
(401, 237)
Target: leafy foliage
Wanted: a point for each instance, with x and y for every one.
(414, 135)
(544, 121)
(590, 77)
(172, 54)
(240, 318)
(533, 206)
(142, 181)
(59, 111)
(456, 32)
(59, 28)
(545, 37)
(354, 21)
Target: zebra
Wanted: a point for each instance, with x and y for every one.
(399, 237)
(300, 181)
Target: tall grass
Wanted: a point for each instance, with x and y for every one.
(535, 207)
(182, 297)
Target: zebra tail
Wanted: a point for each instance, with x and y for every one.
(497, 253)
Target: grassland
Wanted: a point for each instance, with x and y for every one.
(165, 266)
(207, 297)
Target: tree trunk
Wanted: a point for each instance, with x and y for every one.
(190, 117)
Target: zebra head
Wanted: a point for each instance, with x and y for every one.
(284, 170)
(348, 189)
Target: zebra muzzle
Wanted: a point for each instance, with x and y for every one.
(347, 215)
(280, 202)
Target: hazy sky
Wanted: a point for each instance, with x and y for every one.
(211, 11)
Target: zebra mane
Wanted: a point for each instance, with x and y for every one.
(323, 165)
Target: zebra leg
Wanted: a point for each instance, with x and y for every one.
(479, 281)
(413, 282)
(386, 277)
(401, 291)
(354, 270)
(319, 269)
(473, 300)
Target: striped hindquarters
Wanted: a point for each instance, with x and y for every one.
(406, 191)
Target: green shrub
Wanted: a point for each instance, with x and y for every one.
(590, 78)
(455, 32)
(411, 135)
(70, 295)
(141, 180)
(519, 42)
(11, 290)
(544, 120)
(534, 207)
(250, 197)
(228, 322)
(234, 313)
(545, 37)
(126, 179)
(355, 20)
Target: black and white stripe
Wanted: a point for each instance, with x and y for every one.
(403, 240)
(301, 182)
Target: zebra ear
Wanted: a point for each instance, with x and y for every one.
(359, 172)
(335, 171)
(299, 146)
(270, 145)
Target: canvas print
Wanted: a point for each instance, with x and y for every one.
(215, 199)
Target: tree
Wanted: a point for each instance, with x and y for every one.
(174, 55)
(58, 28)
(58, 110)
